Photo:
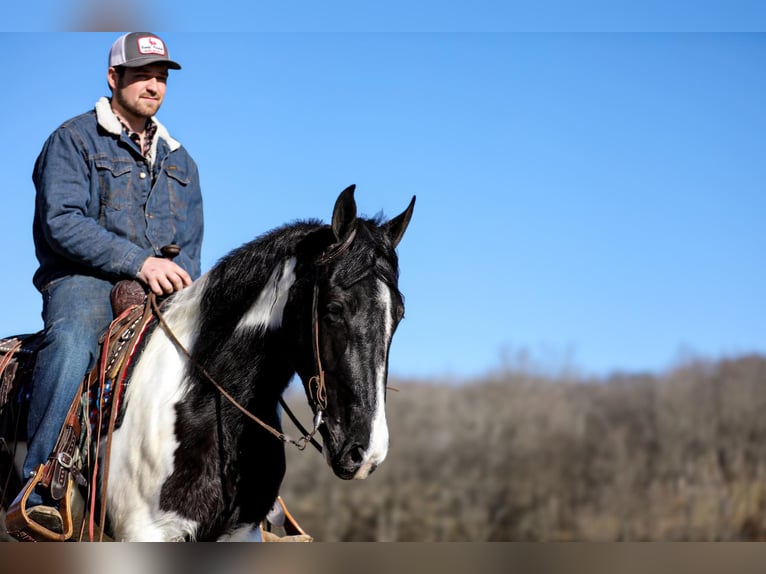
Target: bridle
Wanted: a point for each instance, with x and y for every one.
(336, 250)
(317, 397)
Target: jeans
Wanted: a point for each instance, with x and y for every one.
(76, 311)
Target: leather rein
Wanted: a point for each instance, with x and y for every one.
(318, 396)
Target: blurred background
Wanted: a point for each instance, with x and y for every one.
(525, 456)
(583, 355)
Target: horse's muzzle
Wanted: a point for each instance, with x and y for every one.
(354, 462)
(346, 464)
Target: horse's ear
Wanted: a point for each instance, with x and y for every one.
(344, 214)
(398, 225)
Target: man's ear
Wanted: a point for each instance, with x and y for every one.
(112, 77)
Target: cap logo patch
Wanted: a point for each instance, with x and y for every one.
(151, 45)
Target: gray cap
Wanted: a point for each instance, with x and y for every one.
(140, 49)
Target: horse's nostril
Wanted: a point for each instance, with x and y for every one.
(347, 464)
(356, 454)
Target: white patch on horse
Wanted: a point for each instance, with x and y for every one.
(143, 448)
(378, 448)
(268, 309)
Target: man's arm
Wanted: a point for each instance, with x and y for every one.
(62, 178)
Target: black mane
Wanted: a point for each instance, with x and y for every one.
(237, 279)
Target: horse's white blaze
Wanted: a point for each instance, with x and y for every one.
(268, 309)
(378, 448)
(143, 447)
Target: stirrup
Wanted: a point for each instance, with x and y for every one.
(22, 527)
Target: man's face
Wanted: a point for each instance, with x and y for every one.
(140, 91)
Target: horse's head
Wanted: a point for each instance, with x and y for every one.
(357, 306)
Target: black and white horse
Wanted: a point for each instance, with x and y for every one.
(185, 462)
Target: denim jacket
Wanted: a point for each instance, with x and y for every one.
(101, 209)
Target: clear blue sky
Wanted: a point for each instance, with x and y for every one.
(595, 198)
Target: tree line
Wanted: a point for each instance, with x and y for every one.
(530, 457)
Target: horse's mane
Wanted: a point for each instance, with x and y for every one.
(234, 283)
(249, 265)
(236, 280)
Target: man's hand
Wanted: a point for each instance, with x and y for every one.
(163, 276)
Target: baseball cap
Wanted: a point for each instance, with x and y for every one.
(139, 49)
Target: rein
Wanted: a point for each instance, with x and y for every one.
(300, 443)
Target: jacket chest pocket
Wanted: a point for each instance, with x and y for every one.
(178, 180)
(114, 182)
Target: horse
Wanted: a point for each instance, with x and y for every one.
(195, 454)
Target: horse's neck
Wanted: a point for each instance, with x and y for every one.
(246, 353)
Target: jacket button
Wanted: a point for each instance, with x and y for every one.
(142, 175)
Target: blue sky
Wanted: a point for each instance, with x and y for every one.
(391, 16)
(596, 199)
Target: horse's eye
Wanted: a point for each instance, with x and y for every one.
(334, 309)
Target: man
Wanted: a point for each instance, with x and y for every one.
(112, 188)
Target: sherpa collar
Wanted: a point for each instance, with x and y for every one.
(107, 120)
